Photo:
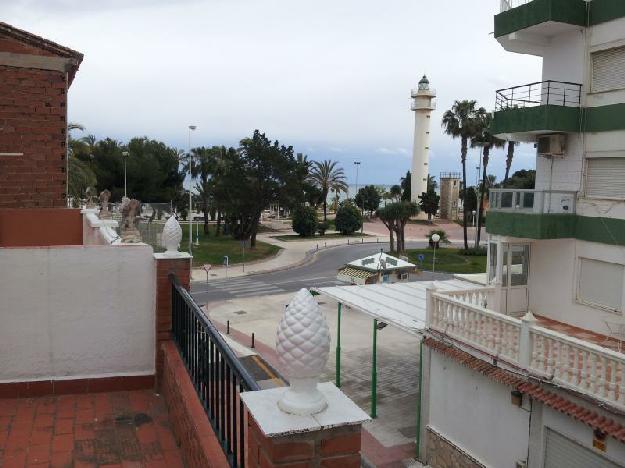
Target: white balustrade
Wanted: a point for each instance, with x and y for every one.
(567, 361)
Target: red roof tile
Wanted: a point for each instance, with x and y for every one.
(535, 391)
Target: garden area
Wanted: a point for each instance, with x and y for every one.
(212, 249)
(450, 260)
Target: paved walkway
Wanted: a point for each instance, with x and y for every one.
(389, 440)
(91, 430)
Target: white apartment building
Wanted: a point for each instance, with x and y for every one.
(530, 370)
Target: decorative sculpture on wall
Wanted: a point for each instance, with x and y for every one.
(303, 344)
(90, 194)
(130, 218)
(105, 196)
(171, 237)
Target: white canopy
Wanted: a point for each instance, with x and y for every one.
(400, 304)
(380, 261)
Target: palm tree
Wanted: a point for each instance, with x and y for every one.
(204, 166)
(511, 145)
(462, 121)
(327, 175)
(486, 140)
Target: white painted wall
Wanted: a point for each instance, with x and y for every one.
(563, 173)
(76, 312)
(564, 57)
(573, 430)
(553, 281)
(476, 414)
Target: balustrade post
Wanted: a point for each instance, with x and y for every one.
(429, 306)
(525, 341)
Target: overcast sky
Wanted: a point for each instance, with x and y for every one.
(330, 77)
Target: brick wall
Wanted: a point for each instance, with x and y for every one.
(191, 428)
(38, 227)
(329, 448)
(441, 453)
(32, 121)
(181, 267)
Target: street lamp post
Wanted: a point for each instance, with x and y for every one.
(191, 128)
(357, 164)
(125, 158)
(435, 239)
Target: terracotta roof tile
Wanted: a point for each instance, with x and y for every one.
(535, 391)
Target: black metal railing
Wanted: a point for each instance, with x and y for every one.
(541, 93)
(216, 372)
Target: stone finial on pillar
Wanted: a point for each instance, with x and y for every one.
(303, 345)
(171, 237)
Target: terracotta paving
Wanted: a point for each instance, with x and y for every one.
(580, 333)
(118, 429)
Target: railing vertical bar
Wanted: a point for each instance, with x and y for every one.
(213, 394)
(222, 412)
(227, 404)
(241, 429)
(235, 398)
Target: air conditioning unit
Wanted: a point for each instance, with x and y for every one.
(552, 145)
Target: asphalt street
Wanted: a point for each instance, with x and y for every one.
(318, 273)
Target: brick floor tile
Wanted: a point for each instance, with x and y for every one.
(38, 454)
(131, 464)
(41, 436)
(83, 431)
(166, 438)
(146, 433)
(44, 420)
(15, 460)
(64, 426)
(83, 464)
(173, 459)
(61, 459)
(46, 405)
(63, 443)
(85, 416)
(17, 441)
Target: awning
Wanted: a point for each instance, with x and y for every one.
(399, 304)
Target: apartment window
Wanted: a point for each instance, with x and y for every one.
(608, 69)
(601, 284)
(605, 177)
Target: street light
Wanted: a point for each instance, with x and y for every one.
(435, 239)
(191, 128)
(357, 164)
(125, 158)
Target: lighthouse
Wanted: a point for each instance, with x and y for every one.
(422, 105)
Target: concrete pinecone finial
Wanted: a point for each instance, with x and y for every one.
(303, 345)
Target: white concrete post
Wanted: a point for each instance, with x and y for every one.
(429, 305)
(525, 341)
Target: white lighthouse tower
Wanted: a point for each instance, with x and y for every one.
(422, 105)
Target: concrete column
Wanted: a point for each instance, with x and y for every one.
(181, 267)
(330, 438)
(525, 341)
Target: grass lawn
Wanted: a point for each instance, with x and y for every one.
(212, 249)
(449, 260)
(297, 237)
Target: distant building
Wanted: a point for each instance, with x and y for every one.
(378, 268)
(422, 105)
(450, 195)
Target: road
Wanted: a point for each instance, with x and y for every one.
(319, 273)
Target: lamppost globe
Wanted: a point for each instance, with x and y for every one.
(436, 238)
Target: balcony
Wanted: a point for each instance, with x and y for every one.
(542, 348)
(524, 112)
(533, 214)
(525, 26)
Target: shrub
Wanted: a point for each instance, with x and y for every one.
(305, 221)
(322, 227)
(444, 239)
(348, 218)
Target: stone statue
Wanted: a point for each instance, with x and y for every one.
(105, 196)
(130, 215)
(90, 194)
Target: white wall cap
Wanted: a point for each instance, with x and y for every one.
(263, 406)
(164, 256)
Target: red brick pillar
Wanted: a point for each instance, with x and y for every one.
(181, 268)
(329, 439)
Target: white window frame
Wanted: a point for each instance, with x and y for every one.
(578, 296)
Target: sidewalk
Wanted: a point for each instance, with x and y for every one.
(292, 254)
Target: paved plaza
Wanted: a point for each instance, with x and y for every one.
(391, 437)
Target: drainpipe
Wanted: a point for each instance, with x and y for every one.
(338, 347)
(418, 440)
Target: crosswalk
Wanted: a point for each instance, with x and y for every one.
(242, 287)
